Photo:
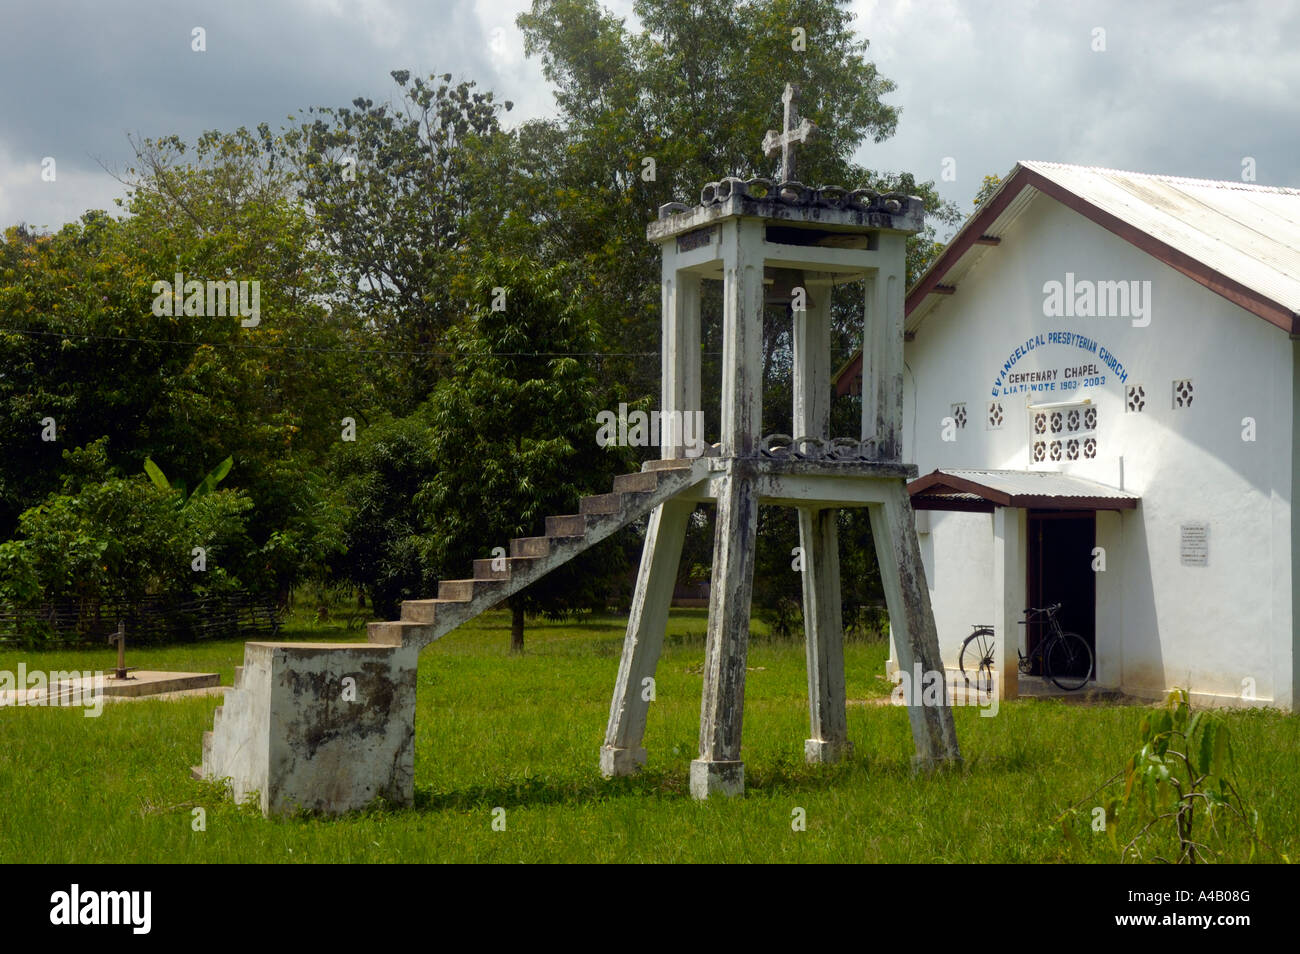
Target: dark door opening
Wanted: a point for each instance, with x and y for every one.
(1060, 571)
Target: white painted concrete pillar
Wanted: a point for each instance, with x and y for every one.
(819, 535)
(680, 372)
(916, 641)
(719, 769)
(1109, 628)
(812, 360)
(882, 350)
(824, 636)
(742, 336)
(1009, 542)
(622, 753)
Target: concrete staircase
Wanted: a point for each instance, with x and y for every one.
(240, 752)
(288, 732)
(531, 558)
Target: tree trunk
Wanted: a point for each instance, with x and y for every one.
(517, 628)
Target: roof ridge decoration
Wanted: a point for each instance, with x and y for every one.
(793, 194)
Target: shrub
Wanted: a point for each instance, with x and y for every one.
(106, 539)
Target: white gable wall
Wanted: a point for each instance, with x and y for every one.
(1159, 623)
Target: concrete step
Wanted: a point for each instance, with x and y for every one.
(427, 613)
(462, 591)
(567, 535)
(216, 716)
(568, 525)
(601, 503)
(643, 482)
(669, 464)
(419, 611)
(530, 547)
(396, 633)
(239, 676)
(514, 566)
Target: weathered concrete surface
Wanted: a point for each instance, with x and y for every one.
(819, 540)
(882, 352)
(288, 732)
(824, 637)
(742, 337)
(794, 237)
(726, 778)
(899, 555)
(908, 218)
(634, 496)
(622, 753)
(719, 768)
(325, 727)
(66, 687)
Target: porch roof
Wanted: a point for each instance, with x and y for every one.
(982, 490)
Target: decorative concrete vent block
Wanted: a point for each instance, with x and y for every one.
(996, 416)
(1182, 393)
(326, 727)
(1062, 432)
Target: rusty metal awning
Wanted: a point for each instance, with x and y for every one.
(980, 491)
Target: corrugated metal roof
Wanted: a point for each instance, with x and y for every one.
(1038, 483)
(1248, 232)
(961, 489)
(952, 495)
(995, 229)
(1239, 239)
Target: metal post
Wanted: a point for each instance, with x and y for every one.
(121, 650)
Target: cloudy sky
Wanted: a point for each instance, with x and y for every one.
(1186, 88)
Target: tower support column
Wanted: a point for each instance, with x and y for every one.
(915, 639)
(622, 753)
(719, 769)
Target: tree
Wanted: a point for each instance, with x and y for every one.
(694, 90)
(506, 438)
(384, 536)
(107, 539)
(514, 432)
(987, 188)
(89, 348)
(390, 189)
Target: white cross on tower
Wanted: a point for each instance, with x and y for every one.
(784, 142)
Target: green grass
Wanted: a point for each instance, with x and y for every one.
(523, 733)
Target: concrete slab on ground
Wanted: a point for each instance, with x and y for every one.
(139, 684)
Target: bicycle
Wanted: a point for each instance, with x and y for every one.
(1065, 658)
(977, 653)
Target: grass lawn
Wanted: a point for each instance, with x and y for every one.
(523, 733)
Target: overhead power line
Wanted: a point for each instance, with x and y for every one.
(317, 349)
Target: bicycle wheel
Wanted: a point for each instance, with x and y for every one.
(1068, 661)
(976, 660)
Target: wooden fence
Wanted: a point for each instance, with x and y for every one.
(151, 621)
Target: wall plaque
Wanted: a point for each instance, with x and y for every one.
(1194, 544)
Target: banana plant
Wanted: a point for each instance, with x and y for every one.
(206, 486)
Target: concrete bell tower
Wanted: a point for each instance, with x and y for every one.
(781, 243)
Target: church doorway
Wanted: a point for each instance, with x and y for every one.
(1060, 559)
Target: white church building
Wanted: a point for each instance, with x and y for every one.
(1102, 395)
